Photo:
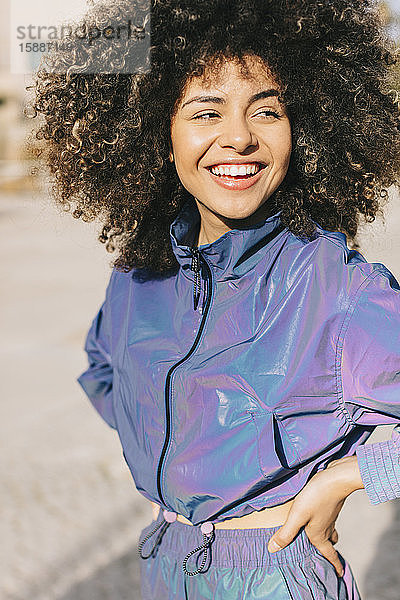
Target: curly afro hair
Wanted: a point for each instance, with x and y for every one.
(106, 137)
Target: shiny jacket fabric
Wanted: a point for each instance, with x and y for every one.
(263, 358)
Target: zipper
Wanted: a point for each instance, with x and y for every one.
(196, 258)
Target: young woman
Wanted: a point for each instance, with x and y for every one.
(244, 353)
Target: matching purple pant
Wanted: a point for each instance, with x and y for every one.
(239, 567)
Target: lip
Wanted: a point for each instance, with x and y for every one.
(237, 184)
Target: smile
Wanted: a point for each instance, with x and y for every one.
(243, 170)
(236, 177)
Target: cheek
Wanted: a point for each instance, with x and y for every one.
(185, 163)
(194, 145)
(282, 147)
(189, 144)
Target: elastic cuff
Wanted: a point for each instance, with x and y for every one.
(380, 470)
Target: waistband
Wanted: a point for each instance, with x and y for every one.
(229, 547)
(240, 547)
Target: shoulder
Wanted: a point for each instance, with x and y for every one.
(119, 283)
(118, 293)
(375, 307)
(124, 285)
(335, 269)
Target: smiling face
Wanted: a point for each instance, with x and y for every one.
(231, 143)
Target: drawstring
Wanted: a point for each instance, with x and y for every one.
(207, 530)
(195, 266)
(205, 294)
(169, 517)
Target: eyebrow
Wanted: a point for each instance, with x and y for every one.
(220, 100)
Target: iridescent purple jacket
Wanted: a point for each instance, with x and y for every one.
(259, 361)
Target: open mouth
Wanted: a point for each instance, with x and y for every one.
(234, 172)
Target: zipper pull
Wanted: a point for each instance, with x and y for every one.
(195, 266)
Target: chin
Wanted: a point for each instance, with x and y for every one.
(243, 214)
(234, 210)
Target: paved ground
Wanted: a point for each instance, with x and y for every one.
(70, 514)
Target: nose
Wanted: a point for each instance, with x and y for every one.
(237, 134)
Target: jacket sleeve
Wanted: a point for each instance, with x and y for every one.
(97, 380)
(369, 364)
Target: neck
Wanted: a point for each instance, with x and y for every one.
(213, 226)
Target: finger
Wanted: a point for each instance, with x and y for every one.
(329, 552)
(286, 533)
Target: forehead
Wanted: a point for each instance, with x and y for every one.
(231, 75)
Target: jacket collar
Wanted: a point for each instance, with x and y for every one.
(231, 255)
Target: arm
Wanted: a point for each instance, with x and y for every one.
(97, 380)
(317, 507)
(368, 371)
(370, 381)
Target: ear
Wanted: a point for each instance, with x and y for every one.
(171, 154)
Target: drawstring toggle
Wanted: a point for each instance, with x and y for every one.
(169, 517)
(207, 529)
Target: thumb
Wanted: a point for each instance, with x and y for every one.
(283, 536)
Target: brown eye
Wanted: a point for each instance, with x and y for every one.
(269, 113)
(205, 115)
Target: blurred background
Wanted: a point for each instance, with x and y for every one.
(70, 513)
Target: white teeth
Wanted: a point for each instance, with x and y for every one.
(235, 170)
